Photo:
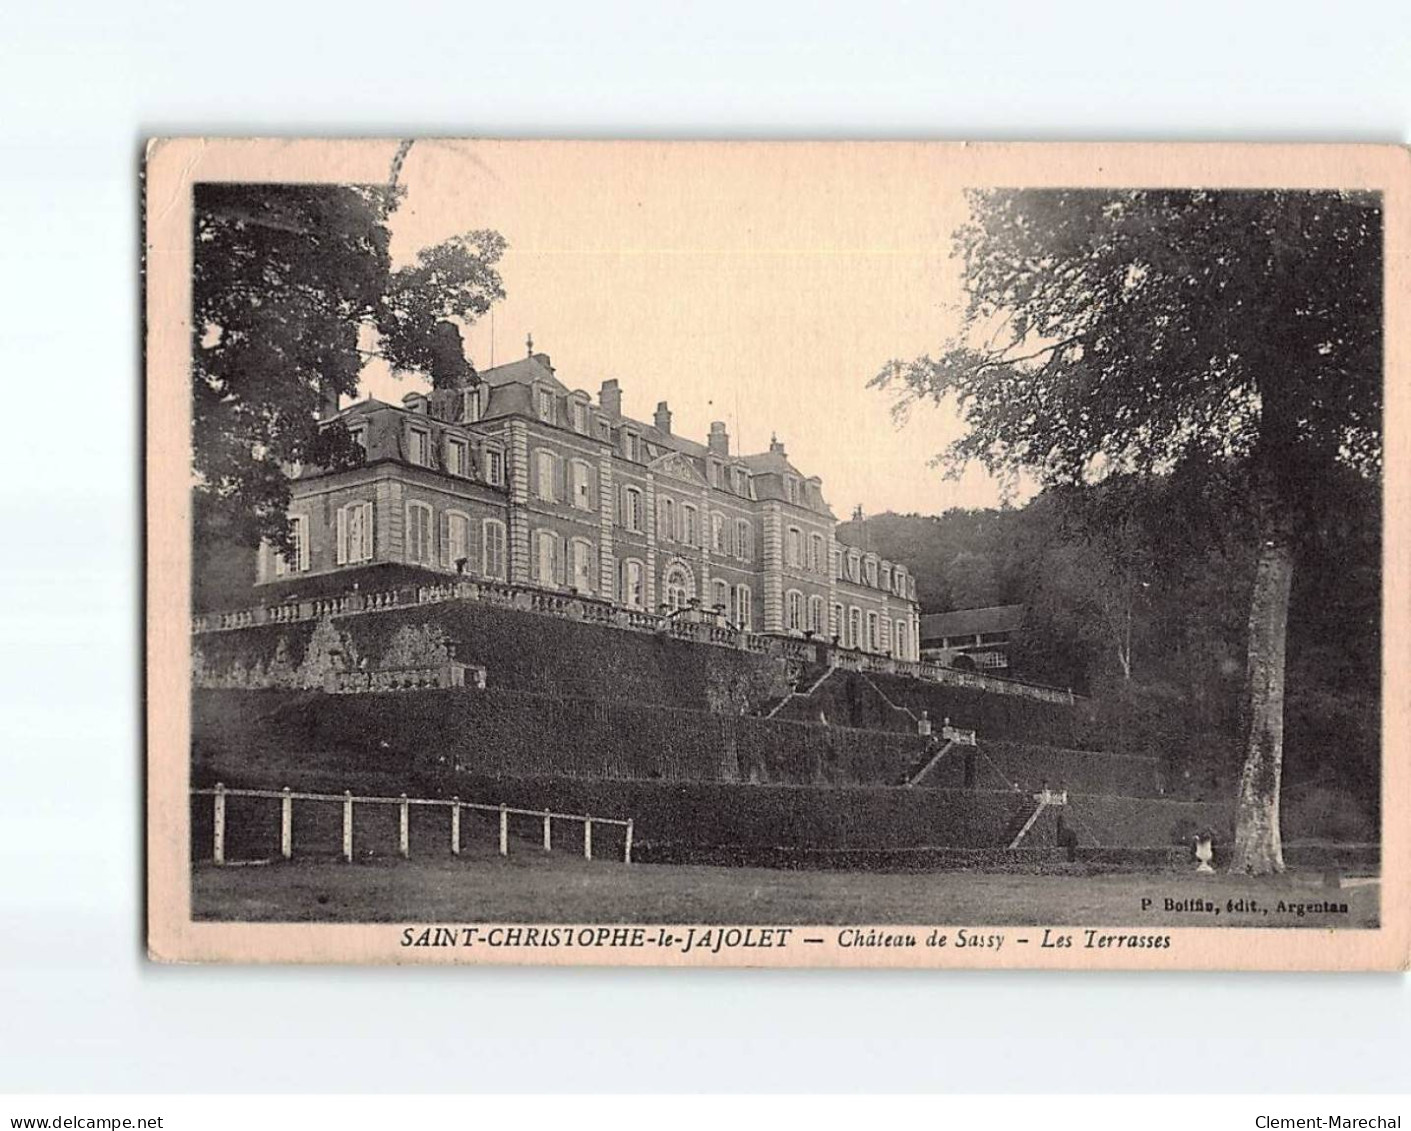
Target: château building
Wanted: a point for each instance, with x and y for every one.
(515, 477)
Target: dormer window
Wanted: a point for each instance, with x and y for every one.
(419, 447)
(472, 404)
(632, 446)
(544, 404)
(742, 483)
(457, 457)
(359, 434)
(791, 489)
(872, 573)
(578, 417)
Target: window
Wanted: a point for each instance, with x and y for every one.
(791, 489)
(872, 572)
(548, 558)
(632, 446)
(816, 555)
(690, 528)
(717, 533)
(721, 600)
(666, 517)
(715, 470)
(359, 434)
(419, 447)
(544, 403)
(457, 541)
(545, 472)
(743, 539)
(884, 644)
(838, 625)
(887, 578)
(582, 565)
(472, 404)
(872, 632)
(816, 616)
(419, 547)
(354, 533)
(853, 563)
(495, 467)
(901, 649)
(582, 486)
(632, 509)
(793, 611)
(744, 606)
(492, 548)
(297, 559)
(633, 591)
(795, 546)
(854, 627)
(742, 482)
(457, 457)
(679, 586)
(578, 417)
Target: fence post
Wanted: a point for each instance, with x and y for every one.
(627, 846)
(504, 831)
(587, 838)
(455, 826)
(548, 834)
(348, 825)
(403, 833)
(218, 833)
(286, 824)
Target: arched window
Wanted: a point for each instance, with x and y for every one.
(816, 616)
(816, 556)
(666, 517)
(795, 546)
(632, 509)
(582, 565)
(717, 533)
(899, 640)
(456, 552)
(854, 627)
(545, 472)
(548, 558)
(721, 599)
(690, 527)
(838, 626)
(872, 632)
(743, 614)
(419, 537)
(744, 542)
(678, 586)
(492, 548)
(853, 562)
(872, 572)
(582, 485)
(793, 611)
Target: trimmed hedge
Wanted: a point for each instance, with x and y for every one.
(992, 716)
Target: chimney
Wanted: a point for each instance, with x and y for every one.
(719, 441)
(610, 397)
(776, 445)
(663, 418)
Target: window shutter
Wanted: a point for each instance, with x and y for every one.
(445, 536)
(559, 574)
(341, 550)
(303, 526)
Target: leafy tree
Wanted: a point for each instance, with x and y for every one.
(289, 280)
(1143, 330)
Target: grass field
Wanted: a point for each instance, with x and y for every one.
(530, 887)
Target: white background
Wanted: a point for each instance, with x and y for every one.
(82, 83)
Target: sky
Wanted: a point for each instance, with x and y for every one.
(759, 285)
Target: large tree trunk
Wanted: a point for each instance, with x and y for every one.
(1258, 849)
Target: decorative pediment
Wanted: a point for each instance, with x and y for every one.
(676, 466)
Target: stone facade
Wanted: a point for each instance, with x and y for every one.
(518, 478)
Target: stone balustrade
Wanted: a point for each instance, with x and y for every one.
(695, 628)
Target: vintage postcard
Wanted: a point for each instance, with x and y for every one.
(777, 554)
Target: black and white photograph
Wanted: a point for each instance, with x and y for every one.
(880, 554)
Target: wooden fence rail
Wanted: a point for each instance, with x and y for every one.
(347, 799)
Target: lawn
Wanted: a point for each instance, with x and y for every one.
(531, 887)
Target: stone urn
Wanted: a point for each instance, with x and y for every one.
(1204, 853)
